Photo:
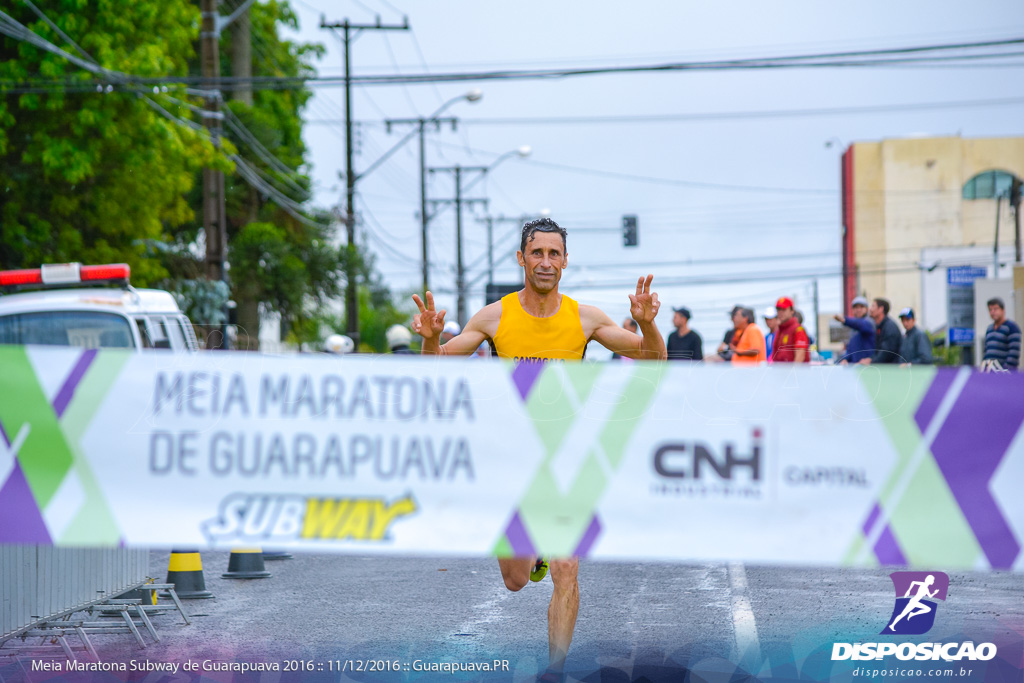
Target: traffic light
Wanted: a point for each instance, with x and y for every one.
(630, 231)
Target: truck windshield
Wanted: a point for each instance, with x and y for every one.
(86, 329)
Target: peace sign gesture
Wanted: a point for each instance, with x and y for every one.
(428, 322)
(644, 305)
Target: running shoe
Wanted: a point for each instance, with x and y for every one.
(540, 570)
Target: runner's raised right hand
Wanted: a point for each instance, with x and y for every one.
(428, 323)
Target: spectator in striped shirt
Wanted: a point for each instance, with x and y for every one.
(1002, 338)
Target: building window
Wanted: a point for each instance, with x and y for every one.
(988, 185)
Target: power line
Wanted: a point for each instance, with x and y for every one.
(718, 116)
(262, 152)
(287, 205)
(729, 278)
(669, 181)
(855, 58)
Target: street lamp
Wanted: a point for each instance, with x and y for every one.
(474, 95)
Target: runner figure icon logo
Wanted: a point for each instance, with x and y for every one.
(916, 595)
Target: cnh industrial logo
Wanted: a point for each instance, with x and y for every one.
(913, 614)
(698, 469)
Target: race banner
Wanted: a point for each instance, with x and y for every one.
(917, 467)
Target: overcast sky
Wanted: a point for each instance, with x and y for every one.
(776, 204)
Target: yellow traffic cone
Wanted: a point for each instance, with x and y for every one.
(185, 571)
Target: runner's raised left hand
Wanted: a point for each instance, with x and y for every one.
(644, 305)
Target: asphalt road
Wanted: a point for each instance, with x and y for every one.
(634, 618)
(649, 620)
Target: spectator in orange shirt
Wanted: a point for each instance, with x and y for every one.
(791, 344)
(747, 343)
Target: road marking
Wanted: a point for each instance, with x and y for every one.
(748, 645)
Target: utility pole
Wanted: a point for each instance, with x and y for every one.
(248, 308)
(421, 124)
(995, 244)
(490, 221)
(490, 249)
(214, 219)
(351, 275)
(1015, 192)
(458, 201)
(817, 316)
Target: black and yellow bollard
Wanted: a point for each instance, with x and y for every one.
(146, 595)
(246, 563)
(185, 571)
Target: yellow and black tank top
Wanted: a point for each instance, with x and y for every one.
(521, 336)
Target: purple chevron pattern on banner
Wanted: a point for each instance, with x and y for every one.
(887, 549)
(968, 449)
(933, 397)
(589, 538)
(525, 375)
(518, 537)
(20, 520)
(67, 391)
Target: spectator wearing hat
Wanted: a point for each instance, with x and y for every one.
(916, 347)
(791, 345)
(1002, 338)
(450, 331)
(887, 334)
(339, 344)
(748, 341)
(399, 338)
(771, 319)
(684, 343)
(862, 343)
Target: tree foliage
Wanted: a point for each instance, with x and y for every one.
(117, 176)
(89, 177)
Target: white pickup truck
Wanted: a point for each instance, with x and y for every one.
(75, 305)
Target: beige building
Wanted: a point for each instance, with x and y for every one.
(906, 220)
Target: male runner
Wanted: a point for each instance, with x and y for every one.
(539, 323)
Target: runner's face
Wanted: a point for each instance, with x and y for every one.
(543, 261)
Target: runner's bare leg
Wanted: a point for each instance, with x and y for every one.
(565, 605)
(516, 571)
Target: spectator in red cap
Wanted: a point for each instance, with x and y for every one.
(791, 345)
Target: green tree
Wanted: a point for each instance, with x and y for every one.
(300, 268)
(377, 308)
(91, 176)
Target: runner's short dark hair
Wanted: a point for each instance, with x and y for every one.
(996, 302)
(884, 305)
(541, 225)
